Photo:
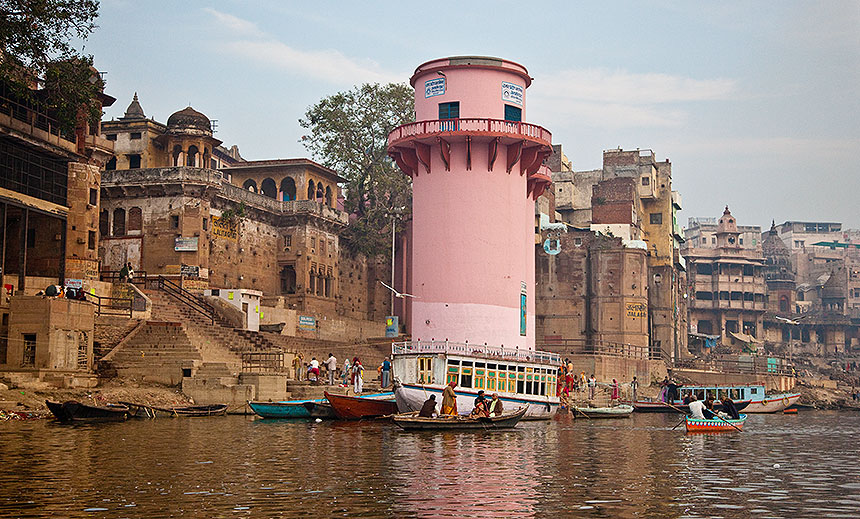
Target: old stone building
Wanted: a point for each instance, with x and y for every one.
(727, 287)
(49, 206)
(271, 225)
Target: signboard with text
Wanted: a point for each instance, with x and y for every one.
(434, 87)
(225, 229)
(185, 244)
(637, 310)
(512, 93)
(307, 322)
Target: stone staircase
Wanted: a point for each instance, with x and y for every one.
(205, 334)
(159, 352)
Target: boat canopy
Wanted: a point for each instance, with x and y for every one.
(475, 350)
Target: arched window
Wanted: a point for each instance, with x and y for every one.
(177, 152)
(328, 199)
(288, 189)
(269, 188)
(320, 193)
(206, 158)
(119, 222)
(783, 304)
(250, 185)
(288, 280)
(320, 283)
(311, 281)
(135, 219)
(328, 286)
(191, 157)
(311, 189)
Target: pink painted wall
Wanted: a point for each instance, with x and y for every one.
(473, 230)
(479, 90)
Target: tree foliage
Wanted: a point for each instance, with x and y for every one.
(36, 46)
(348, 132)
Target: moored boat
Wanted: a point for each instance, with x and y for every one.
(285, 409)
(362, 406)
(413, 422)
(618, 411)
(521, 378)
(148, 411)
(773, 403)
(74, 411)
(320, 409)
(656, 406)
(699, 425)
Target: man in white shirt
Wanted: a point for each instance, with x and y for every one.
(315, 370)
(331, 368)
(696, 407)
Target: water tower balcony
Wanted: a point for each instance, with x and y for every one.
(507, 142)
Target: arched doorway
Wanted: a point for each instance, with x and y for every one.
(328, 198)
(288, 279)
(311, 189)
(269, 188)
(288, 189)
(191, 157)
(250, 185)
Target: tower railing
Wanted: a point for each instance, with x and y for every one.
(470, 125)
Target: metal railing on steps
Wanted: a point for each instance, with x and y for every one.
(185, 297)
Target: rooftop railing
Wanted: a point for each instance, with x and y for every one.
(475, 350)
(476, 126)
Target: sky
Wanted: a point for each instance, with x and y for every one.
(756, 104)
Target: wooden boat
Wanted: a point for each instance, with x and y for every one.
(358, 407)
(618, 411)
(773, 403)
(73, 411)
(413, 422)
(655, 406)
(320, 409)
(148, 411)
(698, 425)
(520, 377)
(287, 408)
(789, 411)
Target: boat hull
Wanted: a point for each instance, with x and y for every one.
(411, 422)
(320, 409)
(696, 425)
(72, 411)
(288, 409)
(410, 397)
(620, 411)
(773, 404)
(358, 407)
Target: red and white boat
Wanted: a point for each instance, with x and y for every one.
(773, 403)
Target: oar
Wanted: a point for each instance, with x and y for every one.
(679, 423)
(728, 422)
(667, 404)
(580, 412)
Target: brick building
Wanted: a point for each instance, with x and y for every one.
(49, 206)
(270, 225)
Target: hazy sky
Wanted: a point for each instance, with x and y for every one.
(756, 104)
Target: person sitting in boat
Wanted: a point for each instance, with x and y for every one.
(688, 398)
(697, 408)
(429, 407)
(708, 411)
(730, 409)
(480, 398)
(449, 399)
(480, 409)
(496, 407)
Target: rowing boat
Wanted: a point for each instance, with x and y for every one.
(413, 422)
(149, 411)
(365, 406)
(700, 425)
(289, 408)
(73, 411)
(618, 411)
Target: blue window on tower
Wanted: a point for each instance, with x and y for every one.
(513, 113)
(449, 110)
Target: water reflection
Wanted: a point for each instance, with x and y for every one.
(780, 466)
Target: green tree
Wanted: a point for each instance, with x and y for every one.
(36, 46)
(348, 132)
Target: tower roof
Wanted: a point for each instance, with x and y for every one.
(134, 110)
(727, 223)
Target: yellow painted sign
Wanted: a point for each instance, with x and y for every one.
(637, 310)
(225, 229)
(82, 268)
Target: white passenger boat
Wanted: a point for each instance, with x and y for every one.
(520, 377)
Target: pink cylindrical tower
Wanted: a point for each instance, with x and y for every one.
(476, 170)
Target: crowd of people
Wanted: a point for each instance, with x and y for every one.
(351, 375)
(577, 383)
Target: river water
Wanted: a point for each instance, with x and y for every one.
(806, 465)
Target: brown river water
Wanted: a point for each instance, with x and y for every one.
(806, 465)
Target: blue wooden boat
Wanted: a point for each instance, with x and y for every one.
(308, 408)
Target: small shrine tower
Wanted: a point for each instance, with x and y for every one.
(476, 171)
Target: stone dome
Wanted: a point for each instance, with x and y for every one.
(189, 121)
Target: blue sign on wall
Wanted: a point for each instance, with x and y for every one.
(434, 87)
